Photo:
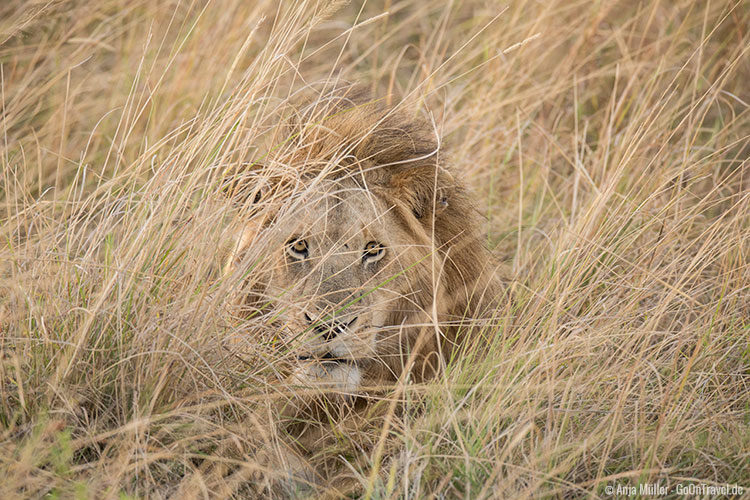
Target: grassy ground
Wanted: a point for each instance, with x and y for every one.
(607, 143)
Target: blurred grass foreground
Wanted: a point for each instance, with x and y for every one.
(607, 144)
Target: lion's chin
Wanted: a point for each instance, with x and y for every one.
(339, 377)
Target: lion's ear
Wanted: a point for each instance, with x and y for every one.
(426, 190)
(245, 184)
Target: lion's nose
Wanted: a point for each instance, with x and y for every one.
(329, 328)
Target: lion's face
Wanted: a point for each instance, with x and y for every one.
(369, 256)
(346, 273)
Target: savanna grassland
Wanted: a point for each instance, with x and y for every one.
(607, 144)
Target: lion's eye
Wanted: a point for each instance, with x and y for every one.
(373, 252)
(297, 249)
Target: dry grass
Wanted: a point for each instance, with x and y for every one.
(607, 142)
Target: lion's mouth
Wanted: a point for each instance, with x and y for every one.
(329, 373)
(327, 359)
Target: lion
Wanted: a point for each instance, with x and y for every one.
(369, 252)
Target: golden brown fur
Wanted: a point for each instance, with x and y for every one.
(353, 173)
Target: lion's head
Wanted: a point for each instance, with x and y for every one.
(371, 257)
